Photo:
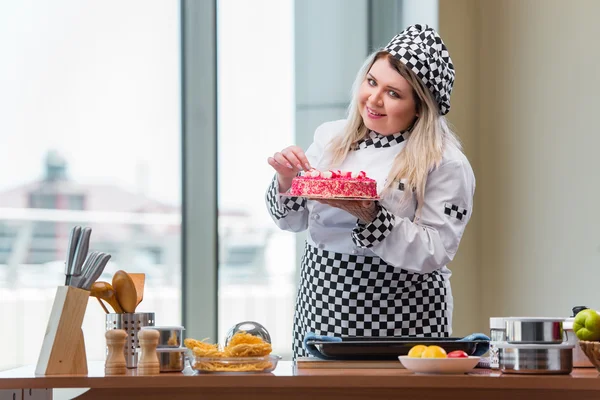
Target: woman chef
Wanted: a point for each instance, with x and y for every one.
(379, 268)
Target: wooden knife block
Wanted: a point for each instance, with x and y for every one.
(63, 349)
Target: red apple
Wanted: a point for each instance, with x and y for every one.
(458, 354)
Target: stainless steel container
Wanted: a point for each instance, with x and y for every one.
(524, 330)
(536, 359)
(171, 360)
(169, 336)
(130, 323)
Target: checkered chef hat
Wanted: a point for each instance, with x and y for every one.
(422, 50)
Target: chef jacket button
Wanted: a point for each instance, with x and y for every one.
(316, 217)
(354, 252)
(321, 246)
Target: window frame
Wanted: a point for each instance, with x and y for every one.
(199, 168)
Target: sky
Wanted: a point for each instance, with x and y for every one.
(256, 98)
(99, 81)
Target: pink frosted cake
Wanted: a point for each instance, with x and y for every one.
(330, 184)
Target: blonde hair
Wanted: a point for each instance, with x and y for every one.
(425, 146)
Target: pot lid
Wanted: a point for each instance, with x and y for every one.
(166, 350)
(497, 323)
(171, 349)
(535, 319)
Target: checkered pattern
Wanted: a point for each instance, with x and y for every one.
(368, 235)
(455, 211)
(380, 141)
(346, 295)
(422, 50)
(287, 203)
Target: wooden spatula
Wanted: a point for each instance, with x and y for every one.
(125, 291)
(139, 280)
(104, 291)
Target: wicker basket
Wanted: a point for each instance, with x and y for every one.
(592, 351)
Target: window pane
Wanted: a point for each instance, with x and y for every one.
(284, 68)
(256, 114)
(90, 127)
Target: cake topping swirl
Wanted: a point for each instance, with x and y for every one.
(334, 174)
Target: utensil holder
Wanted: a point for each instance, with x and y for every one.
(130, 323)
(63, 348)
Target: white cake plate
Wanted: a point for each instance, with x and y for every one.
(314, 197)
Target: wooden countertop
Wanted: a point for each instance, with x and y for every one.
(335, 383)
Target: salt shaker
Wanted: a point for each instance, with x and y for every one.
(115, 360)
(148, 363)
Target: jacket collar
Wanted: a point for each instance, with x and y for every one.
(374, 139)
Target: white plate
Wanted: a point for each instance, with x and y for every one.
(439, 365)
(315, 197)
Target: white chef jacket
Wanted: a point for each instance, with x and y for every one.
(420, 246)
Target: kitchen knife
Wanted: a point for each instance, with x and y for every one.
(95, 257)
(96, 271)
(82, 250)
(71, 248)
(85, 270)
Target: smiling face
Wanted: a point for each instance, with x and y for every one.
(386, 99)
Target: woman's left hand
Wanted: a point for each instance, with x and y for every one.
(364, 210)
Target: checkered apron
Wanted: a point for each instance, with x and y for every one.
(348, 295)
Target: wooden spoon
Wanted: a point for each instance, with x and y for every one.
(139, 280)
(125, 291)
(104, 291)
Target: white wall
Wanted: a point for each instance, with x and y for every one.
(459, 26)
(529, 84)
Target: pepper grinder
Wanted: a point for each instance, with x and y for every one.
(115, 360)
(148, 363)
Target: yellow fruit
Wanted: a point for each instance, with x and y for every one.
(416, 351)
(434, 352)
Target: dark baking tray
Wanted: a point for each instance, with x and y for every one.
(388, 348)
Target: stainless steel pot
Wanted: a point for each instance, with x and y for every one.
(536, 359)
(169, 336)
(523, 330)
(171, 360)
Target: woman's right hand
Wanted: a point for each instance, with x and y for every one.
(288, 162)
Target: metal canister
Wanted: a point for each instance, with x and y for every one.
(536, 358)
(170, 359)
(130, 323)
(169, 336)
(535, 330)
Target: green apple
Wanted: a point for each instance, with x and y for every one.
(587, 325)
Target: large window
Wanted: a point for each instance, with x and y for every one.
(255, 116)
(90, 133)
(284, 67)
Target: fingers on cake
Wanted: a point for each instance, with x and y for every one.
(334, 184)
